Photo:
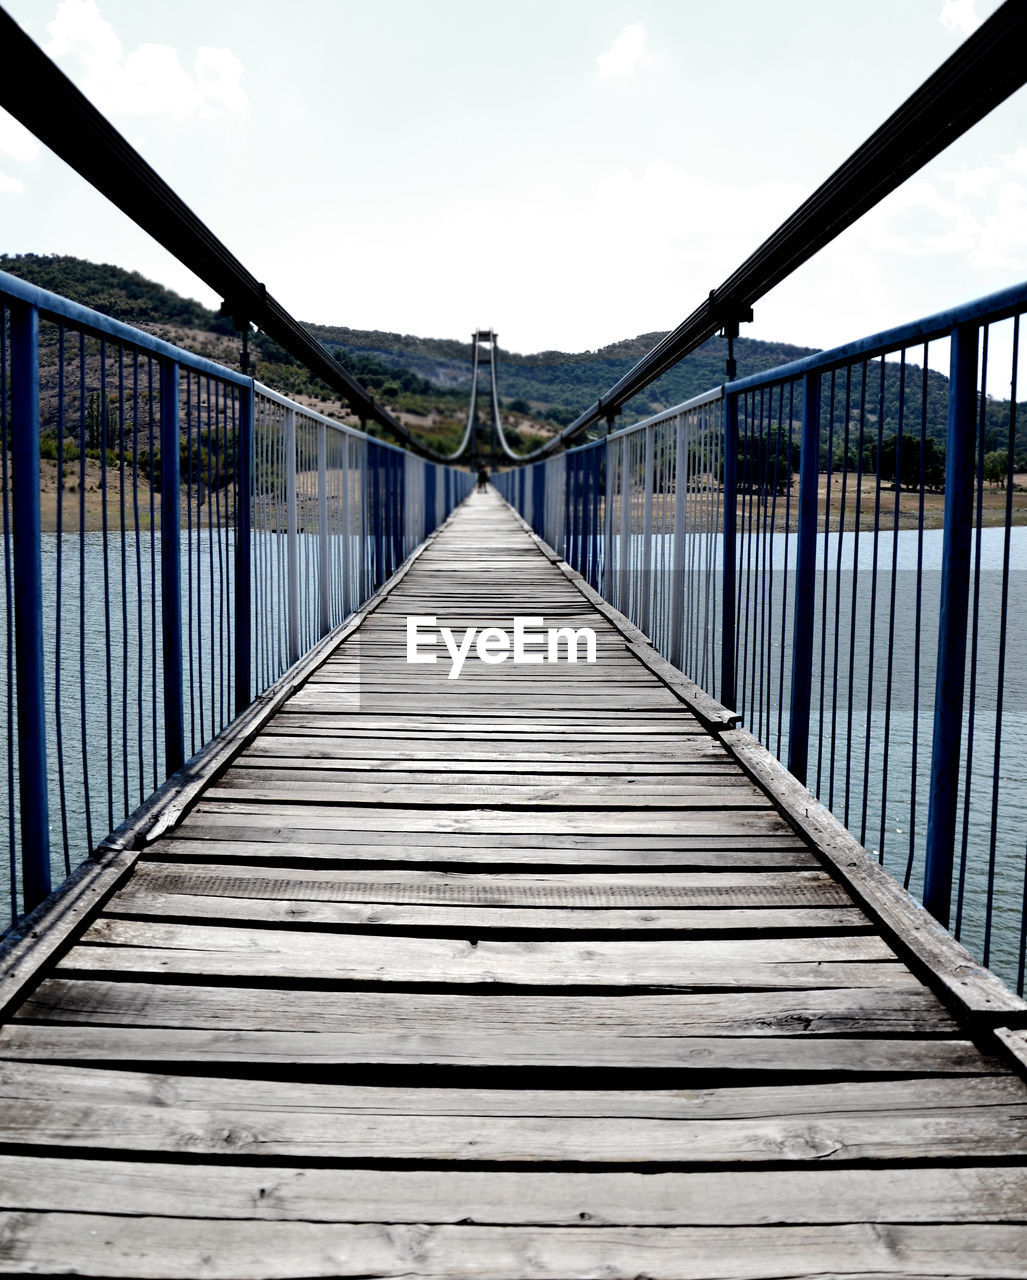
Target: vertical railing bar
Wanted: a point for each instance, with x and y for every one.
(123, 531)
(745, 581)
(825, 615)
(893, 593)
(1003, 622)
(856, 530)
(108, 707)
(140, 607)
(729, 536)
(28, 605)
(644, 603)
(838, 584)
(872, 646)
(244, 550)
(83, 697)
(955, 582)
(324, 581)
(59, 603)
(677, 576)
(171, 568)
(805, 578)
(347, 531)
(292, 551)
(918, 621)
(151, 441)
(971, 702)
(192, 596)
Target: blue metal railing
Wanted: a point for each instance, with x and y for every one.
(186, 536)
(830, 548)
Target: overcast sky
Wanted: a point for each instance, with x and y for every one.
(569, 172)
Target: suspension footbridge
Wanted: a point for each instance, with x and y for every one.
(551, 880)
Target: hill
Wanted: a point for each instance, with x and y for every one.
(425, 381)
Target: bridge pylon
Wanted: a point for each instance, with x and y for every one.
(484, 348)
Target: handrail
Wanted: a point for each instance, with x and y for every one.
(36, 92)
(982, 72)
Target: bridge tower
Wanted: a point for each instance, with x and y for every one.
(484, 348)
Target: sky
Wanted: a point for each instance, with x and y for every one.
(567, 172)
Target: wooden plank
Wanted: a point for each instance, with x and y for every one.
(149, 946)
(890, 1100)
(737, 1198)
(671, 889)
(654, 780)
(476, 920)
(825, 1055)
(431, 960)
(612, 796)
(250, 844)
(880, 1011)
(510, 888)
(181, 1249)
(298, 752)
(484, 821)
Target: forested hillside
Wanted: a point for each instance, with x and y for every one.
(426, 381)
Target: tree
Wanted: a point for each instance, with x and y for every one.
(996, 467)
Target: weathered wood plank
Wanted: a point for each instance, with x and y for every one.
(883, 1011)
(728, 795)
(893, 1099)
(251, 844)
(471, 919)
(507, 888)
(181, 1249)
(752, 821)
(827, 1055)
(738, 1198)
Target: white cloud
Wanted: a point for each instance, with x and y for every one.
(919, 220)
(149, 80)
(9, 185)
(625, 55)
(959, 17)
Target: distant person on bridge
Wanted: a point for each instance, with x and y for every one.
(483, 479)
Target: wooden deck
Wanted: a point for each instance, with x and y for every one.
(523, 974)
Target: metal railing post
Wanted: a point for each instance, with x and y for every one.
(624, 535)
(324, 584)
(677, 576)
(568, 509)
(243, 550)
(955, 598)
(376, 511)
(292, 540)
(729, 553)
(646, 595)
(805, 579)
(28, 605)
(608, 477)
(430, 473)
(171, 567)
(347, 532)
